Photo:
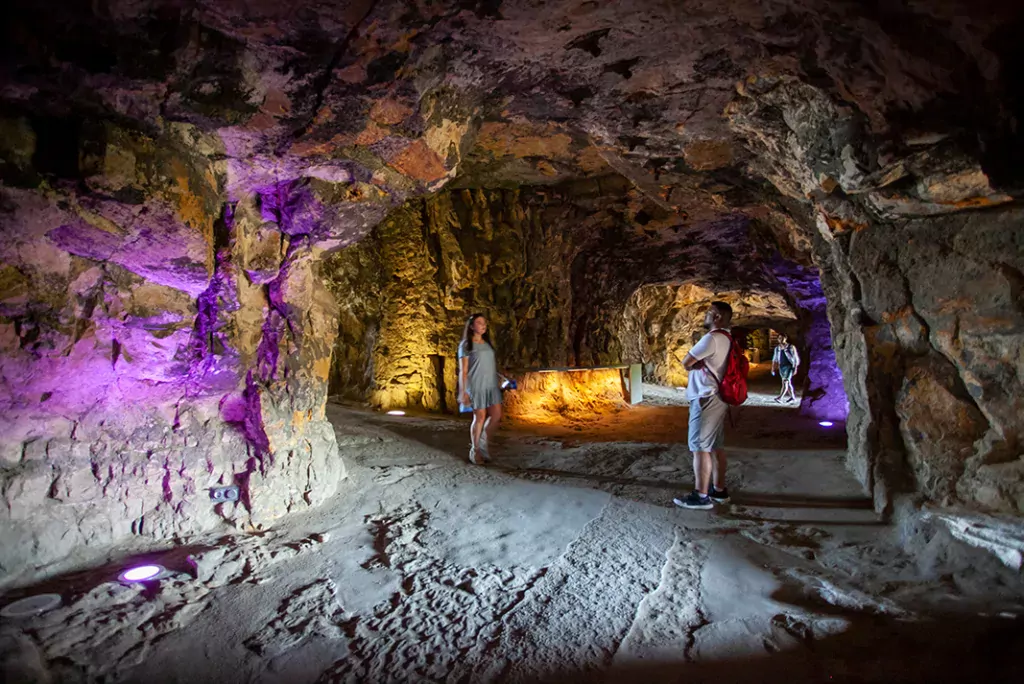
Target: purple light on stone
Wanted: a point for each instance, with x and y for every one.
(825, 423)
(141, 573)
(253, 423)
(825, 397)
(330, 173)
(269, 349)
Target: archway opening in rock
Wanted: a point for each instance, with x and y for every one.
(662, 322)
(585, 273)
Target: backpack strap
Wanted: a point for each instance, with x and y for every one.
(728, 409)
(708, 369)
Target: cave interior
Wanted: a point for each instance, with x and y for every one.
(237, 233)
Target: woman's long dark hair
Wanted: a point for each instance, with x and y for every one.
(467, 333)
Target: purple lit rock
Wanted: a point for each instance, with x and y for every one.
(125, 375)
(825, 395)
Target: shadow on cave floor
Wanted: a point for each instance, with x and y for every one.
(795, 473)
(871, 649)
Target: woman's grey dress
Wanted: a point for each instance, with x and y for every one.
(482, 378)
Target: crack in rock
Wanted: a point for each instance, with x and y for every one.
(668, 617)
(390, 475)
(248, 559)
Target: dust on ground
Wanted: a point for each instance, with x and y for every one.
(563, 560)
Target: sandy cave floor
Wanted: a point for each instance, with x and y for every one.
(564, 560)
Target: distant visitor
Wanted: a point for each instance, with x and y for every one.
(479, 387)
(710, 363)
(786, 361)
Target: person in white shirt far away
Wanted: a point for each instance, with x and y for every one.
(785, 360)
(706, 363)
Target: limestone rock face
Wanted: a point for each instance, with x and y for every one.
(933, 326)
(434, 262)
(555, 397)
(142, 363)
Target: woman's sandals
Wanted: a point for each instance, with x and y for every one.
(479, 456)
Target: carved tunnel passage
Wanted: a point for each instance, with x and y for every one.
(218, 214)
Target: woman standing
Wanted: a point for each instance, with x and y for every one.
(785, 360)
(478, 386)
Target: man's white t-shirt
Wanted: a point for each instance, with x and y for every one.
(713, 349)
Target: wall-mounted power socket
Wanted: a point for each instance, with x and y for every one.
(229, 493)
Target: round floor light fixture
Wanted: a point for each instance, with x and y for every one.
(825, 423)
(141, 573)
(396, 413)
(31, 606)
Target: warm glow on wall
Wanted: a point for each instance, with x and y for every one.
(552, 396)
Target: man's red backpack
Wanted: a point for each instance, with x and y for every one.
(732, 388)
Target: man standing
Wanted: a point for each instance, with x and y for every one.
(706, 364)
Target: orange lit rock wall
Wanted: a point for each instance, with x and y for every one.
(557, 396)
(405, 291)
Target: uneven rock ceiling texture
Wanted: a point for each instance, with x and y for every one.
(174, 175)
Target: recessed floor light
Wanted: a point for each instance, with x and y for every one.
(141, 573)
(396, 413)
(825, 423)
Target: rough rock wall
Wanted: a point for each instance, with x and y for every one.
(555, 397)
(353, 276)
(923, 293)
(434, 262)
(938, 334)
(156, 341)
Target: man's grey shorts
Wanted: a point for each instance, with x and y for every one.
(707, 423)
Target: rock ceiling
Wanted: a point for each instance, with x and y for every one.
(697, 103)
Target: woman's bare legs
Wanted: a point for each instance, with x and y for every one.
(476, 430)
(491, 426)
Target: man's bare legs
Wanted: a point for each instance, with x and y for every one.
(787, 388)
(708, 470)
(702, 471)
(718, 472)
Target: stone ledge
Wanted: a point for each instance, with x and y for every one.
(998, 536)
